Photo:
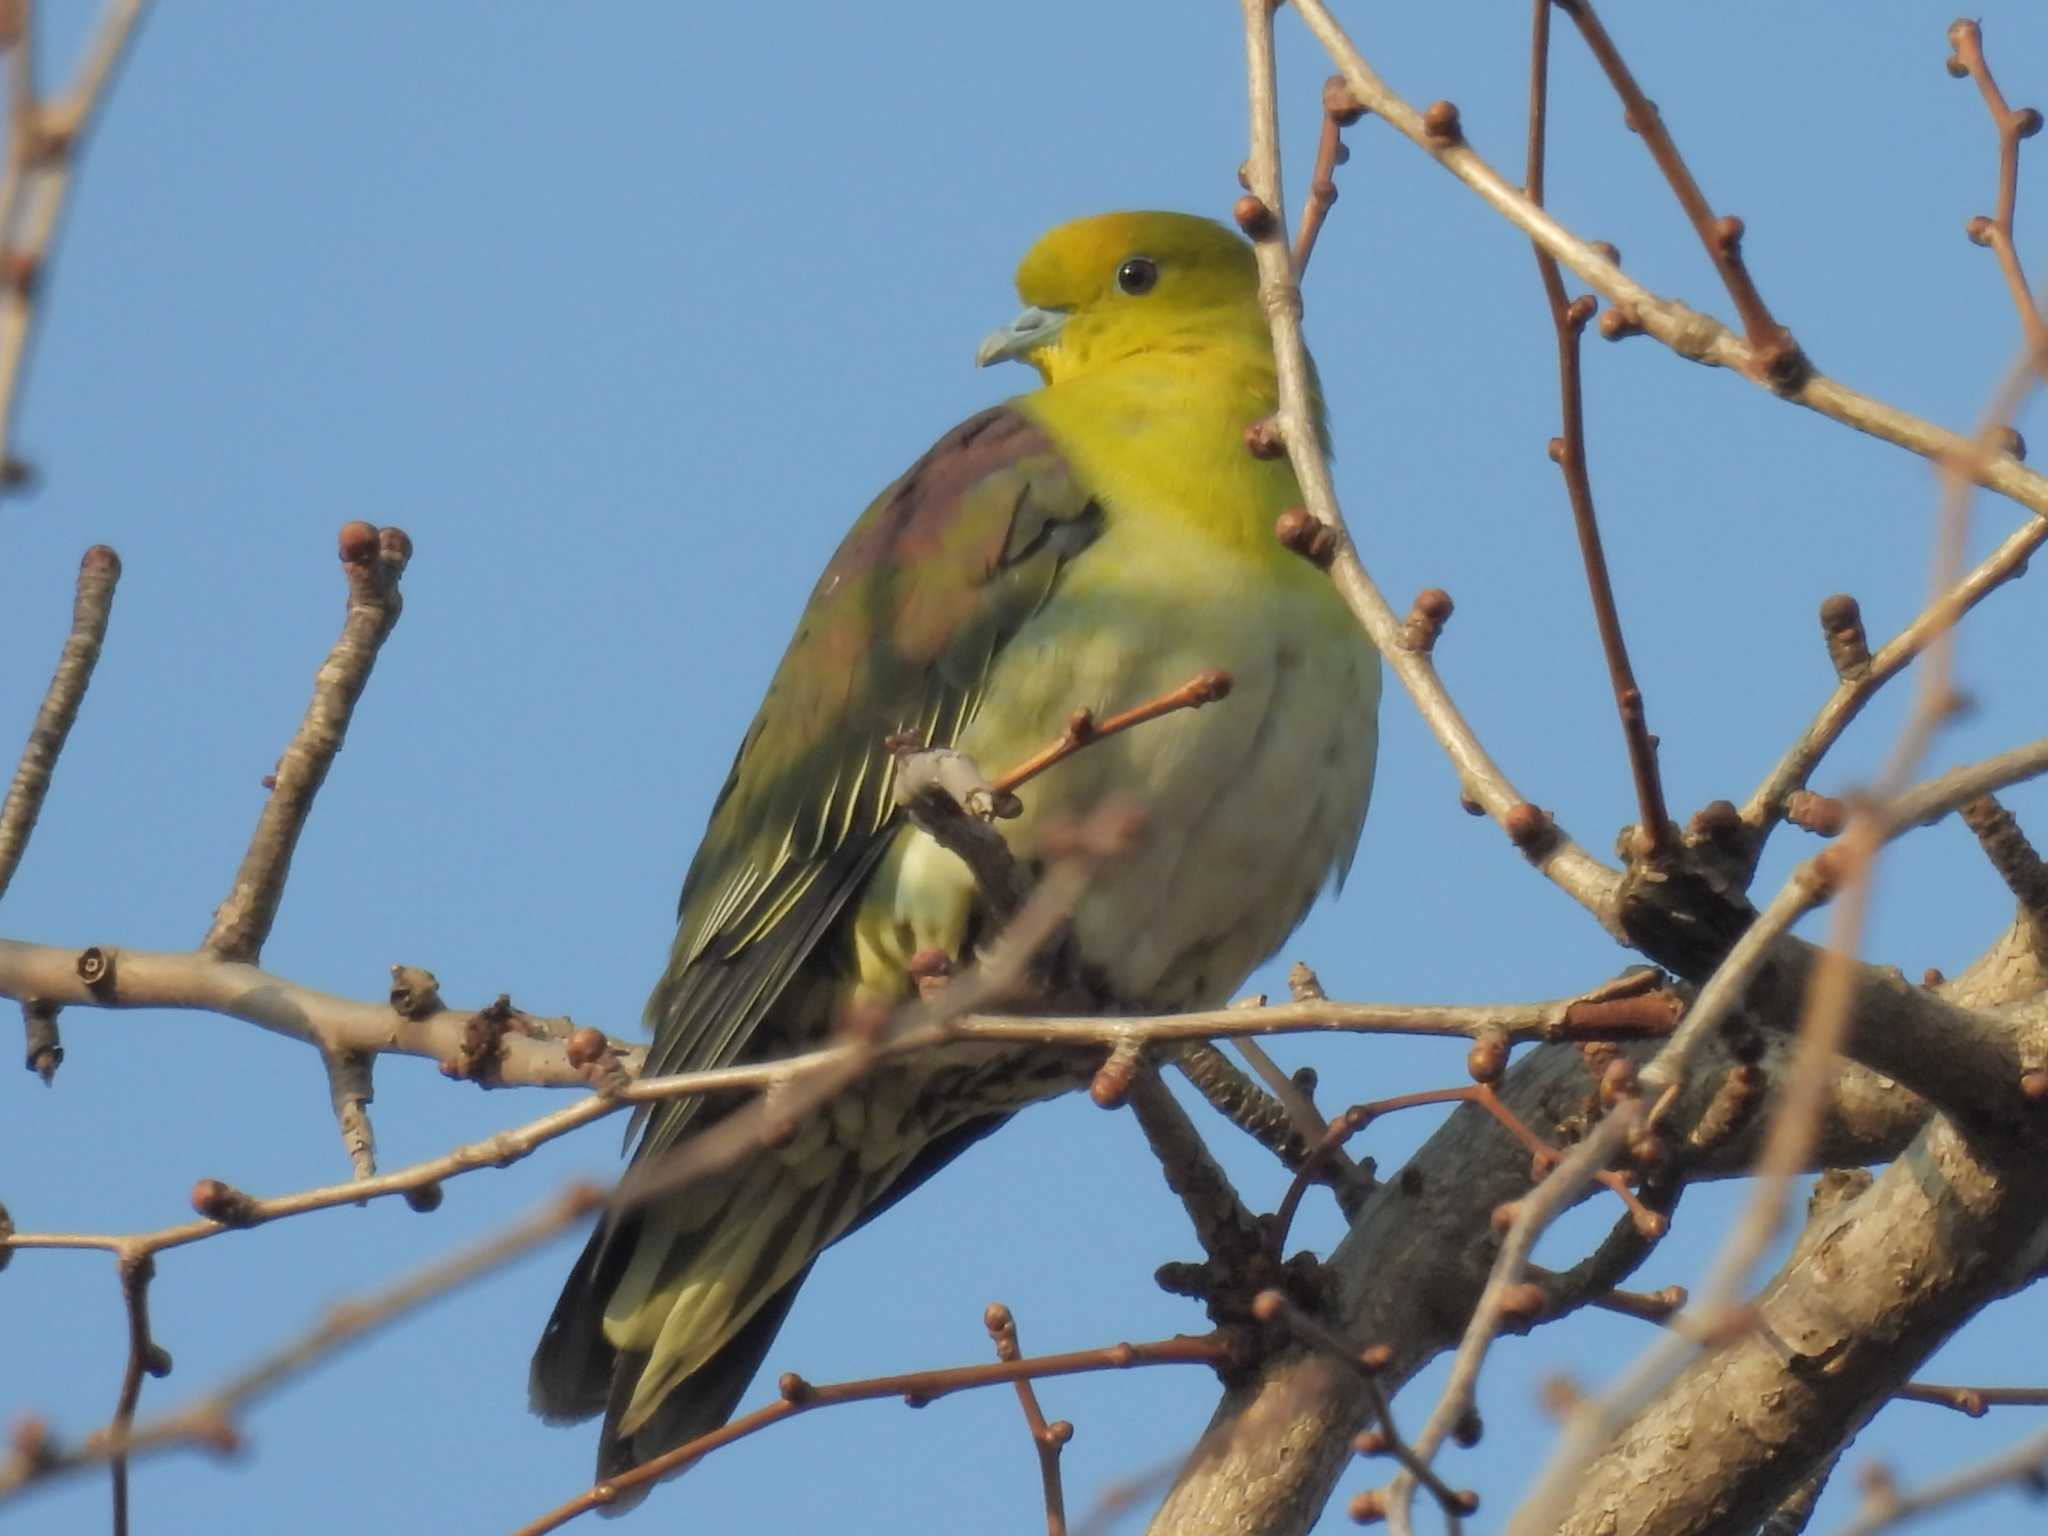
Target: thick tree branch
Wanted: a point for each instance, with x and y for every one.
(530, 1051)
(1951, 1226)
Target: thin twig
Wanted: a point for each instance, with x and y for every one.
(1693, 335)
(1777, 356)
(44, 142)
(1860, 683)
(208, 1421)
(1048, 1439)
(1568, 452)
(1340, 110)
(1966, 37)
(1083, 729)
(145, 1358)
(1588, 881)
(98, 574)
(349, 1091)
(1973, 1402)
(2024, 1464)
(374, 559)
(917, 1388)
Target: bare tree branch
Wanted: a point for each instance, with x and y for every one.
(98, 573)
(1690, 334)
(374, 559)
(43, 144)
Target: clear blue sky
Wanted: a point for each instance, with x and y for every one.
(623, 312)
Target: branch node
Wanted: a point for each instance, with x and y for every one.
(1111, 1086)
(415, 992)
(1254, 218)
(1618, 322)
(1822, 815)
(1341, 102)
(481, 1051)
(1529, 827)
(1440, 122)
(1488, 1057)
(1298, 530)
(1303, 985)
(96, 967)
(222, 1202)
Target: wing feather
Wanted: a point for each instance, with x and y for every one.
(900, 632)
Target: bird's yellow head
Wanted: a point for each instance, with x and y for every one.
(1103, 289)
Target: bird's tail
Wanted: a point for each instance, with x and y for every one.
(673, 1305)
(668, 1313)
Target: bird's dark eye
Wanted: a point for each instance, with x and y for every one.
(1137, 276)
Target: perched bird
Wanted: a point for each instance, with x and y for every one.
(1089, 545)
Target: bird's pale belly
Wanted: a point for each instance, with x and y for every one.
(1252, 802)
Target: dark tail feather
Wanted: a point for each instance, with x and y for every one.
(577, 1372)
(702, 1405)
(571, 1378)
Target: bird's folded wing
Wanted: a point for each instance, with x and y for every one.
(933, 580)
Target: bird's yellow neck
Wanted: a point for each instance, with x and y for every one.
(1161, 433)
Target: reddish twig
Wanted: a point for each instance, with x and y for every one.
(1048, 1438)
(916, 1388)
(1778, 359)
(145, 1358)
(1341, 109)
(1973, 1401)
(1083, 729)
(1568, 452)
(98, 573)
(374, 559)
(1542, 1154)
(2013, 124)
